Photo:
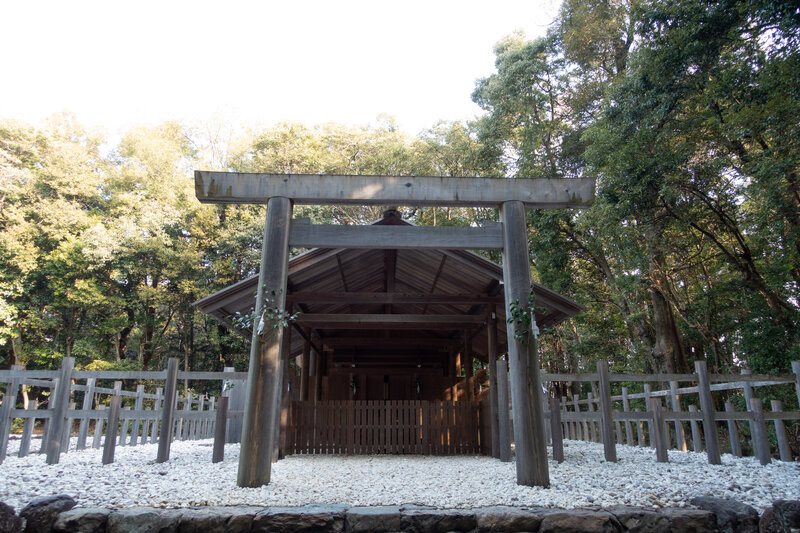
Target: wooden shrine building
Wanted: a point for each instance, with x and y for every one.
(397, 329)
(391, 315)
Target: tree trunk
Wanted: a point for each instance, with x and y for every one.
(668, 353)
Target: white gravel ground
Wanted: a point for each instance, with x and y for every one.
(583, 480)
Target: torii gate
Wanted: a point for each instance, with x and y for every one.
(281, 191)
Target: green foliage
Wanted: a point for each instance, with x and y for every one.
(272, 316)
(521, 317)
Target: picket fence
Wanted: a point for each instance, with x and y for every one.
(601, 417)
(143, 420)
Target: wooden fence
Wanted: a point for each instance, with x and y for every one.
(378, 427)
(114, 416)
(641, 419)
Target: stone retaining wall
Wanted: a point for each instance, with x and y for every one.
(57, 514)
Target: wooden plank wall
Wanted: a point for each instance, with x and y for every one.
(378, 427)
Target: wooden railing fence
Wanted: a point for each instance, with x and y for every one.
(613, 420)
(378, 427)
(114, 416)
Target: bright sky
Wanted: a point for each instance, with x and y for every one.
(116, 63)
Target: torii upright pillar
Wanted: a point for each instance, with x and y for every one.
(264, 374)
(526, 389)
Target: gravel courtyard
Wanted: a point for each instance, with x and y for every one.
(583, 480)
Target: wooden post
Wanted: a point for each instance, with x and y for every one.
(468, 365)
(747, 389)
(618, 426)
(526, 390)
(760, 433)
(555, 430)
(219, 430)
(59, 420)
(125, 426)
(281, 415)
(697, 444)
(6, 418)
(709, 418)
(606, 417)
(639, 430)
(648, 404)
(208, 427)
(784, 449)
(305, 360)
(137, 406)
(83, 429)
(592, 428)
(567, 431)
(503, 431)
(198, 423)
(67, 434)
(159, 399)
(178, 429)
(118, 432)
(796, 370)
(581, 426)
(111, 430)
(680, 438)
(314, 376)
(491, 348)
(98, 429)
(658, 431)
(233, 430)
(733, 433)
(626, 407)
(27, 432)
(48, 421)
(264, 378)
(186, 428)
(168, 411)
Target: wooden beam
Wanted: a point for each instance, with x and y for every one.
(341, 271)
(390, 273)
(375, 342)
(316, 189)
(435, 281)
(358, 321)
(390, 298)
(304, 235)
(306, 336)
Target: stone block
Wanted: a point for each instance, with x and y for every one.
(639, 520)
(307, 519)
(510, 519)
(9, 521)
(380, 519)
(732, 516)
(438, 521)
(41, 513)
(579, 520)
(144, 520)
(690, 520)
(84, 520)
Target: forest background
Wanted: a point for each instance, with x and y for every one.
(687, 113)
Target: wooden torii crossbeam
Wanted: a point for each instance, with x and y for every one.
(281, 191)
